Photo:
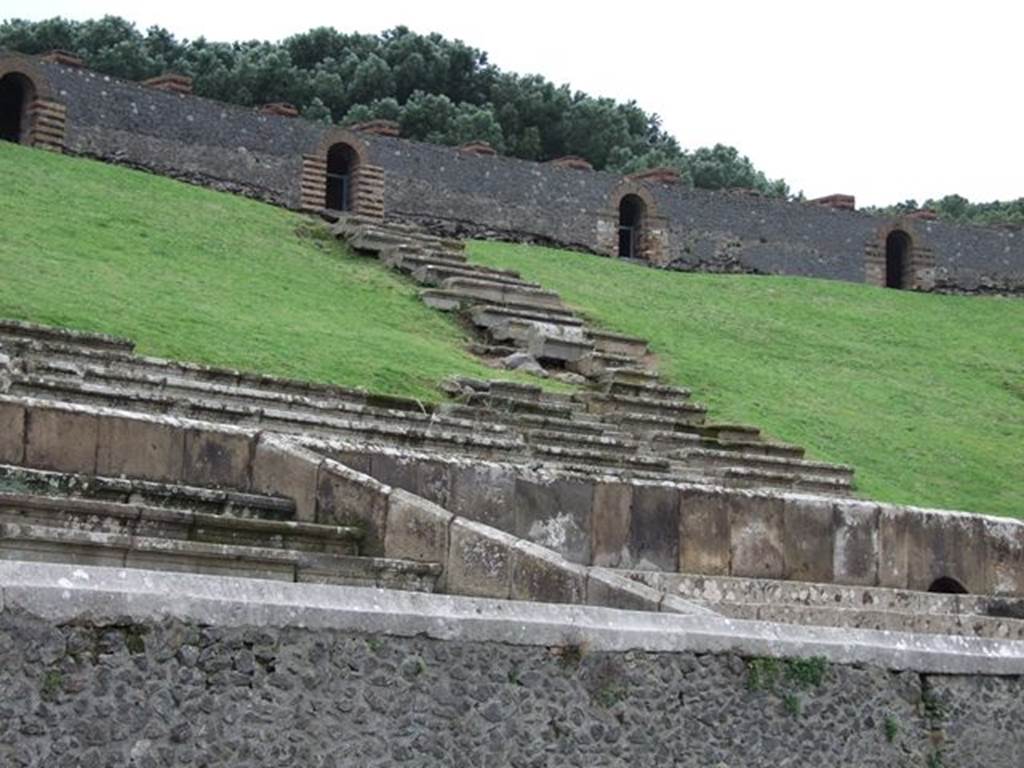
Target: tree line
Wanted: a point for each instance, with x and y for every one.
(438, 90)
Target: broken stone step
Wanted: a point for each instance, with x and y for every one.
(628, 375)
(407, 260)
(557, 349)
(489, 315)
(64, 545)
(124, 490)
(133, 519)
(617, 343)
(483, 291)
(28, 332)
(598, 364)
(376, 239)
(437, 275)
(709, 458)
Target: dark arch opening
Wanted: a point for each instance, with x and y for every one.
(341, 162)
(16, 93)
(947, 585)
(897, 258)
(631, 222)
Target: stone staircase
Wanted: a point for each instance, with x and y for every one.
(832, 605)
(121, 522)
(502, 421)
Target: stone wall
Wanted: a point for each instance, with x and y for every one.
(143, 669)
(276, 158)
(617, 522)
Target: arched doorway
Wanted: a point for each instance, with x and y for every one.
(632, 212)
(897, 259)
(341, 165)
(16, 94)
(947, 585)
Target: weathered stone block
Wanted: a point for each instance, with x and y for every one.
(541, 575)
(610, 523)
(704, 542)
(808, 545)
(347, 497)
(855, 550)
(61, 440)
(140, 448)
(12, 433)
(218, 457)
(612, 590)
(1005, 544)
(942, 545)
(485, 493)
(415, 474)
(479, 560)
(756, 535)
(892, 546)
(654, 528)
(287, 470)
(555, 513)
(416, 529)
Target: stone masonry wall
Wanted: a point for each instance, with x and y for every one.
(179, 693)
(261, 155)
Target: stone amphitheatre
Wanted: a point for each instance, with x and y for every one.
(205, 566)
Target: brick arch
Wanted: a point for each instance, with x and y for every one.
(367, 180)
(45, 118)
(916, 267)
(651, 241)
(633, 188)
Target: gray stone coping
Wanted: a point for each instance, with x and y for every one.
(62, 593)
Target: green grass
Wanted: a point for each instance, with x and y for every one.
(922, 394)
(214, 278)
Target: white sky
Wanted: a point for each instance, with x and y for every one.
(884, 100)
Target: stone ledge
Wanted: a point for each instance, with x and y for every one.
(62, 593)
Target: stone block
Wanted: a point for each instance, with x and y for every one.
(415, 474)
(416, 529)
(1005, 544)
(892, 546)
(855, 550)
(704, 532)
(555, 513)
(540, 575)
(347, 497)
(609, 534)
(944, 545)
(808, 544)
(485, 493)
(357, 460)
(12, 433)
(654, 528)
(283, 469)
(148, 449)
(756, 535)
(61, 440)
(218, 457)
(612, 590)
(479, 560)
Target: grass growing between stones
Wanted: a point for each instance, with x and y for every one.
(922, 394)
(197, 275)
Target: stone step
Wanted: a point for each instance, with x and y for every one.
(744, 477)
(617, 343)
(643, 414)
(29, 332)
(489, 315)
(600, 363)
(703, 457)
(628, 375)
(589, 459)
(481, 291)
(350, 224)
(686, 436)
(530, 421)
(495, 402)
(645, 389)
(185, 498)
(376, 239)
(823, 604)
(134, 519)
(622, 446)
(20, 541)
(437, 274)
(408, 258)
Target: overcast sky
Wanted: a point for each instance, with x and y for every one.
(885, 100)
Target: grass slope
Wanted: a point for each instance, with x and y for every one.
(923, 394)
(197, 275)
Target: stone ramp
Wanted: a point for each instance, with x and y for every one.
(845, 606)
